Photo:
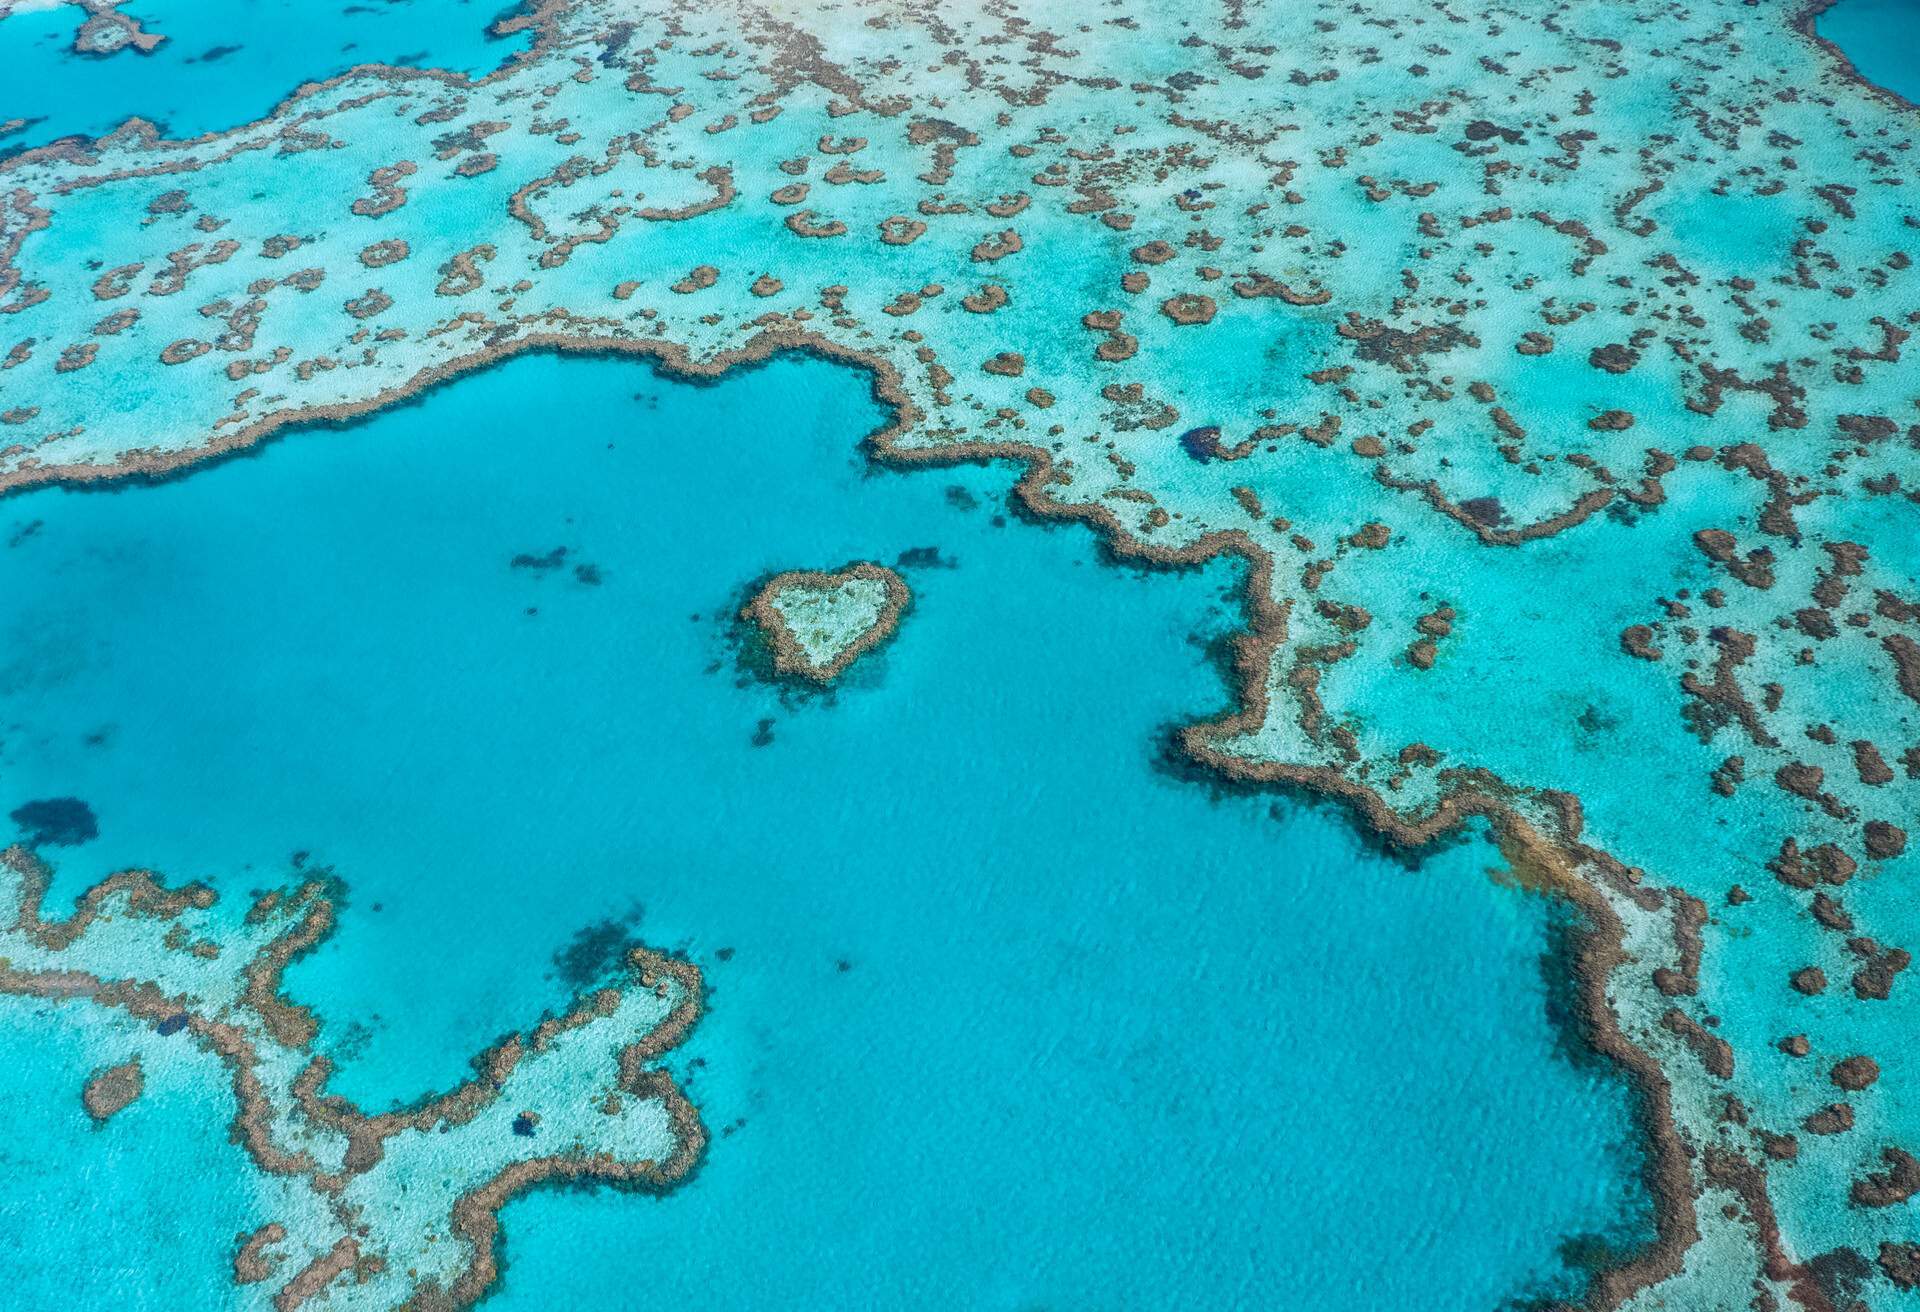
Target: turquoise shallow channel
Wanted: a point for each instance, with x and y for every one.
(1004, 1013)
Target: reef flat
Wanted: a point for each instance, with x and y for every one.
(381, 1211)
(1546, 367)
(817, 623)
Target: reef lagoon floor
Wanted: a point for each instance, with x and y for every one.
(1005, 1012)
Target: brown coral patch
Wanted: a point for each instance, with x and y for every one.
(1855, 1073)
(789, 657)
(699, 278)
(900, 230)
(989, 298)
(989, 249)
(1189, 308)
(801, 224)
(382, 253)
(370, 303)
(112, 1089)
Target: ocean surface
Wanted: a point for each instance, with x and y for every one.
(1006, 1011)
(225, 62)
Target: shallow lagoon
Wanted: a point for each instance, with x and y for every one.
(1004, 1013)
(139, 1214)
(225, 62)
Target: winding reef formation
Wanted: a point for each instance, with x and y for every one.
(368, 1211)
(1546, 364)
(817, 624)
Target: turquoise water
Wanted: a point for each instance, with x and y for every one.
(1004, 1012)
(1881, 37)
(225, 62)
(86, 1231)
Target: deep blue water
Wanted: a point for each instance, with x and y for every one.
(225, 62)
(1004, 1012)
(1881, 37)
